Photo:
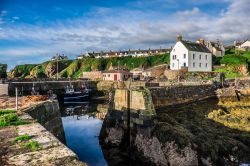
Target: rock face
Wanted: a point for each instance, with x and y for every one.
(147, 149)
(165, 154)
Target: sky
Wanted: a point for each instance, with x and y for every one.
(32, 31)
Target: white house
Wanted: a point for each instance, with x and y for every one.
(245, 45)
(216, 48)
(191, 55)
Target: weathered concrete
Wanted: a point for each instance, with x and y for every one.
(50, 151)
(4, 89)
(140, 100)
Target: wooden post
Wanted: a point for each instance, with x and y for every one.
(16, 99)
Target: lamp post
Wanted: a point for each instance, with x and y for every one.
(57, 57)
(178, 70)
(118, 65)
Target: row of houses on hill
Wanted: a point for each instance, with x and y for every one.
(133, 53)
(59, 57)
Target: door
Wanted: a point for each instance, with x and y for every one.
(115, 77)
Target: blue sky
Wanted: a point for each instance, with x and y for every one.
(31, 31)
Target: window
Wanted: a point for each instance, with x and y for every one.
(200, 65)
(206, 57)
(173, 65)
(184, 56)
(200, 57)
(206, 65)
(193, 56)
(193, 64)
(184, 64)
(108, 75)
(173, 57)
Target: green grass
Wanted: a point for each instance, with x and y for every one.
(32, 145)
(229, 73)
(23, 138)
(233, 60)
(2, 112)
(10, 118)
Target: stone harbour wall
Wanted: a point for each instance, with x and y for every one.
(149, 99)
(166, 96)
(4, 89)
(48, 114)
(140, 99)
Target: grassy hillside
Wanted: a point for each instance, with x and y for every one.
(22, 70)
(74, 68)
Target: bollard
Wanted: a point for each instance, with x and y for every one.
(16, 99)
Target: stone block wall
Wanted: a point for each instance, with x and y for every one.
(139, 100)
(4, 89)
(166, 96)
(48, 114)
(93, 75)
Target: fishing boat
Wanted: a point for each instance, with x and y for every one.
(72, 96)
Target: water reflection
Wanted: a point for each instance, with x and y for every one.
(118, 135)
(82, 127)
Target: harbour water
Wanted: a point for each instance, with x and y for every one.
(81, 133)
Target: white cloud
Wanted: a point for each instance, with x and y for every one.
(129, 29)
(16, 18)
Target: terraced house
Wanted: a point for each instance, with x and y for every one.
(133, 53)
(189, 55)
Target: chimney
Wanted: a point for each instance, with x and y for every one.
(202, 41)
(179, 38)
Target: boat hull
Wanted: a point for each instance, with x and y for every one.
(75, 97)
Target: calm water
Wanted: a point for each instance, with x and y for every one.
(81, 132)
